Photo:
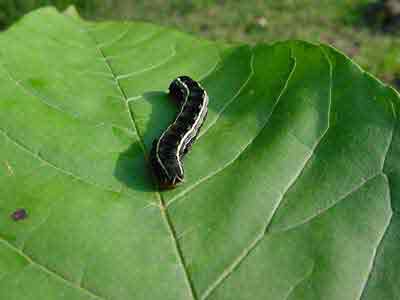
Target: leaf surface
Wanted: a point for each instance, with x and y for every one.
(292, 190)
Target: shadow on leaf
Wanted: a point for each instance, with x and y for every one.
(152, 113)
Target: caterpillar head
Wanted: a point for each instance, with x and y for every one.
(177, 90)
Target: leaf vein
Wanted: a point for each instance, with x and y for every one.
(163, 210)
(116, 39)
(155, 66)
(374, 256)
(232, 99)
(135, 45)
(393, 131)
(336, 203)
(33, 93)
(212, 69)
(246, 252)
(49, 271)
(52, 165)
(302, 280)
(216, 172)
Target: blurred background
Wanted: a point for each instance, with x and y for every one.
(366, 30)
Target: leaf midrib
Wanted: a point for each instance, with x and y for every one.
(159, 197)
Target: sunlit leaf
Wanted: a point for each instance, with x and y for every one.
(292, 190)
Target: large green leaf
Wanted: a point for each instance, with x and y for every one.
(292, 191)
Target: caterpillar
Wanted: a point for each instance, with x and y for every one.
(175, 142)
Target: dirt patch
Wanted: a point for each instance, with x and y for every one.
(383, 15)
(396, 82)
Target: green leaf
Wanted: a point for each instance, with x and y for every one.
(292, 190)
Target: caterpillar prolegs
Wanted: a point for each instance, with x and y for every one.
(167, 151)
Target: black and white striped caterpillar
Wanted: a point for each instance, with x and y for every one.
(167, 151)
